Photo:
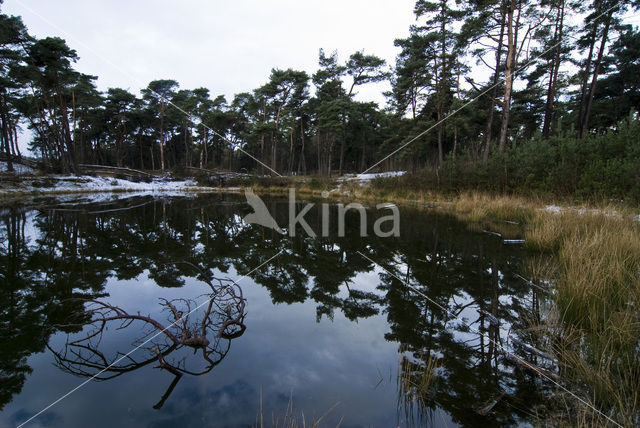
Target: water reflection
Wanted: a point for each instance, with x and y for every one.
(205, 327)
(54, 259)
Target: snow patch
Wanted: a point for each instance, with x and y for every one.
(88, 184)
(18, 168)
(367, 177)
(102, 184)
(364, 178)
(554, 209)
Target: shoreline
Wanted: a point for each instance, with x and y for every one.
(332, 189)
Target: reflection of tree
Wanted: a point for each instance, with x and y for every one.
(14, 309)
(211, 334)
(472, 274)
(31, 295)
(474, 278)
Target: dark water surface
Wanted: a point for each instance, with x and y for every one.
(328, 333)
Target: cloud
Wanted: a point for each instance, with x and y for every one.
(228, 47)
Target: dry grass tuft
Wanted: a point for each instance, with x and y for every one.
(599, 275)
(417, 380)
(290, 419)
(481, 207)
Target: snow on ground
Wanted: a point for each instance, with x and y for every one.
(369, 177)
(18, 168)
(553, 209)
(101, 184)
(55, 184)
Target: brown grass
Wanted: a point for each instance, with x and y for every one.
(290, 419)
(416, 383)
(595, 323)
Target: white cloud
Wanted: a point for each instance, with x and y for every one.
(228, 47)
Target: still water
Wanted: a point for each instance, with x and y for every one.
(317, 333)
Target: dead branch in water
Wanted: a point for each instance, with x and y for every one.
(207, 332)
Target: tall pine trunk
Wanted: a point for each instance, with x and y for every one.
(162, 136)
(585, 82)
(494, 91)
(302, 163)
(443, 81)
(553, 76)
(509, 69)
(596, 71)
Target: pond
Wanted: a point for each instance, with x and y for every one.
(353, 330)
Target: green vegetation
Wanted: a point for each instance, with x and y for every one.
(593, 169)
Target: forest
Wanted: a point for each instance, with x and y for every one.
(556, 71)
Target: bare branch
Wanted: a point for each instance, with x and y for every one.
(222, 320)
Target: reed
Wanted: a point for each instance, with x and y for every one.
(290, 418)
(417, 380)
(594, 325)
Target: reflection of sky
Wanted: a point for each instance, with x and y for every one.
(284, 353)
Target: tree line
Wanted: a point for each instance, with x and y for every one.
(551, 67)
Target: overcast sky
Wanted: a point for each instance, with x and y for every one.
(227, 47)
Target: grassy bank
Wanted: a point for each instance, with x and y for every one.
(591, 256)
(595, 326)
